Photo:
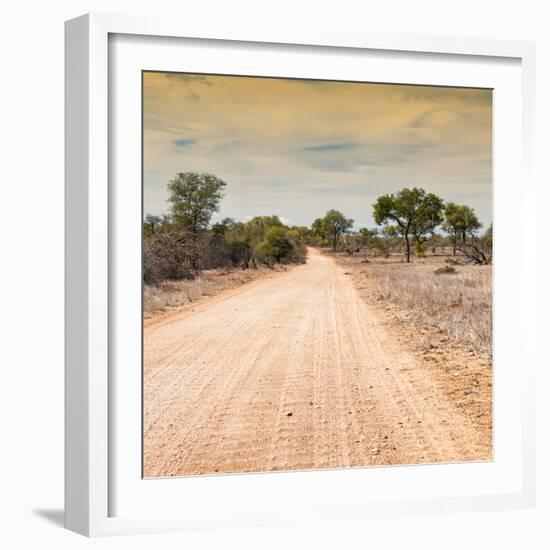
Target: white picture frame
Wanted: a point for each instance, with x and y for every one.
(94, 447)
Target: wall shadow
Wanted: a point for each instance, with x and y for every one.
(53, 515)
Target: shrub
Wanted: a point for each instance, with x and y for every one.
(168, 256)
(420, 250)
(214, 251)
(446, 270)
(277, 246)
(172, 253)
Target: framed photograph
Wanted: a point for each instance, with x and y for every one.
(297, 286)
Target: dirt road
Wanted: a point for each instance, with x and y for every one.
(292, 371)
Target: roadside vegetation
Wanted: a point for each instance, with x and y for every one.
(455, 303)
(171, 294)
(428, 257)
(184, 254)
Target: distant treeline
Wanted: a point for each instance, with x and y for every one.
(183, 242)
(410, 220)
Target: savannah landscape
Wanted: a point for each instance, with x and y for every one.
(271, 345)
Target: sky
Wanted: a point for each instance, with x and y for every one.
(297, 148)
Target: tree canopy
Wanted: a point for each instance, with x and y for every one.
(333, 226)
(275, 244)
(460, 222)
(414, 212)
(194, 198)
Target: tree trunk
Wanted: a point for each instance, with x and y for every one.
(455, 239)
(407, 249)
(195, 257)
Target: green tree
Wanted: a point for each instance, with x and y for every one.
(300, 233)
(470, 223)
(389, 233)
(460, 223)
(238, 241)
(221, 227)
(366, 237)
(366, 234)
(276, 244)
(194, 198)
(451, 223)
(319, 230)
(424, 226)
(334, 225)
(258, 225)
(414, 212)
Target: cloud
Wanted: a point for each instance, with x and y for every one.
(329, 147)
(184, 142)
(297, 148)
(436, 117)
(357, 157)
(188, 78)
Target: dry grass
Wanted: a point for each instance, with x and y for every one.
(456, 304)
(174, 294)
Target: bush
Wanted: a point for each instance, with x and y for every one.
(446, 270)
(420, 250)
(168, 256)
(214, 251)
(277, 246)
(173, 254)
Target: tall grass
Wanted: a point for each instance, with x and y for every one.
(458, 304)
(174, 294)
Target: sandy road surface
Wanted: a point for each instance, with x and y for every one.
(292, 371)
